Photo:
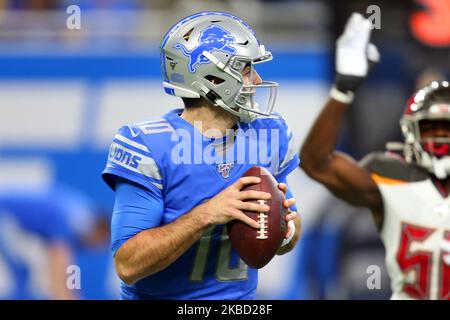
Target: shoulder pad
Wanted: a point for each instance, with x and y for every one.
(155, 134)
(392, 166)
(134, 156)
(273, 121)
(153, 126)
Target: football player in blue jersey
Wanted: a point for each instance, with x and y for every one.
(34, 246)
(43, 229)
(178, 179)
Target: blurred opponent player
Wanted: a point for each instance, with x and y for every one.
(407, 191)
(177, 178)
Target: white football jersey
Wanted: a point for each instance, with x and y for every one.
(416, 220)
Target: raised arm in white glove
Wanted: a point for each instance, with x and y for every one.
(354, 57)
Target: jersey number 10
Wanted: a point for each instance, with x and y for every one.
(223, 272)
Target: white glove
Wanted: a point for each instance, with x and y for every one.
(352, 50)
(354, 57)
(445, 246)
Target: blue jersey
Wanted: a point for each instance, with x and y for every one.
(30, 221)
(183, 168)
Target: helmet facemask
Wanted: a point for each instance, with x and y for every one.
(426, 127)
(256, 96)
(429, 151)
(252, 97)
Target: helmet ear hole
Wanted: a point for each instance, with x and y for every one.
(243, 43)
(214, 79)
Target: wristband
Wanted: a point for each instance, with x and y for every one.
(345, 98)
(291, 224)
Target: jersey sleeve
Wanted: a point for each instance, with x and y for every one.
(131, 159)
(289, 159)
(135, 209)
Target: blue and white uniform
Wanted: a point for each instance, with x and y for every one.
(30, 222)
(166, 166)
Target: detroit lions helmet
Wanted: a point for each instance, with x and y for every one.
(204, 55)
(433, 153)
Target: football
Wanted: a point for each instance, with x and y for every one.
(258, 246)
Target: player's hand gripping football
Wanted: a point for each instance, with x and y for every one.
(231, 202)
(355, 56)
(294, 224)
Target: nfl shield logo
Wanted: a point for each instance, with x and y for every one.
(224, 169)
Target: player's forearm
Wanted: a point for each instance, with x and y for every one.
(355, 56)
(153, 250)
(320, 144)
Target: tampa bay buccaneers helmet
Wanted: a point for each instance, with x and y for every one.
(433, 153)
(217, 45)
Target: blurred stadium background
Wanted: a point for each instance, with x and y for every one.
(64, 93)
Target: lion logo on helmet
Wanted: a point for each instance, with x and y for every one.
(213, 38)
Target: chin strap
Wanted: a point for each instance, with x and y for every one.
(244, 115)
(439, 167)
(215, 99)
